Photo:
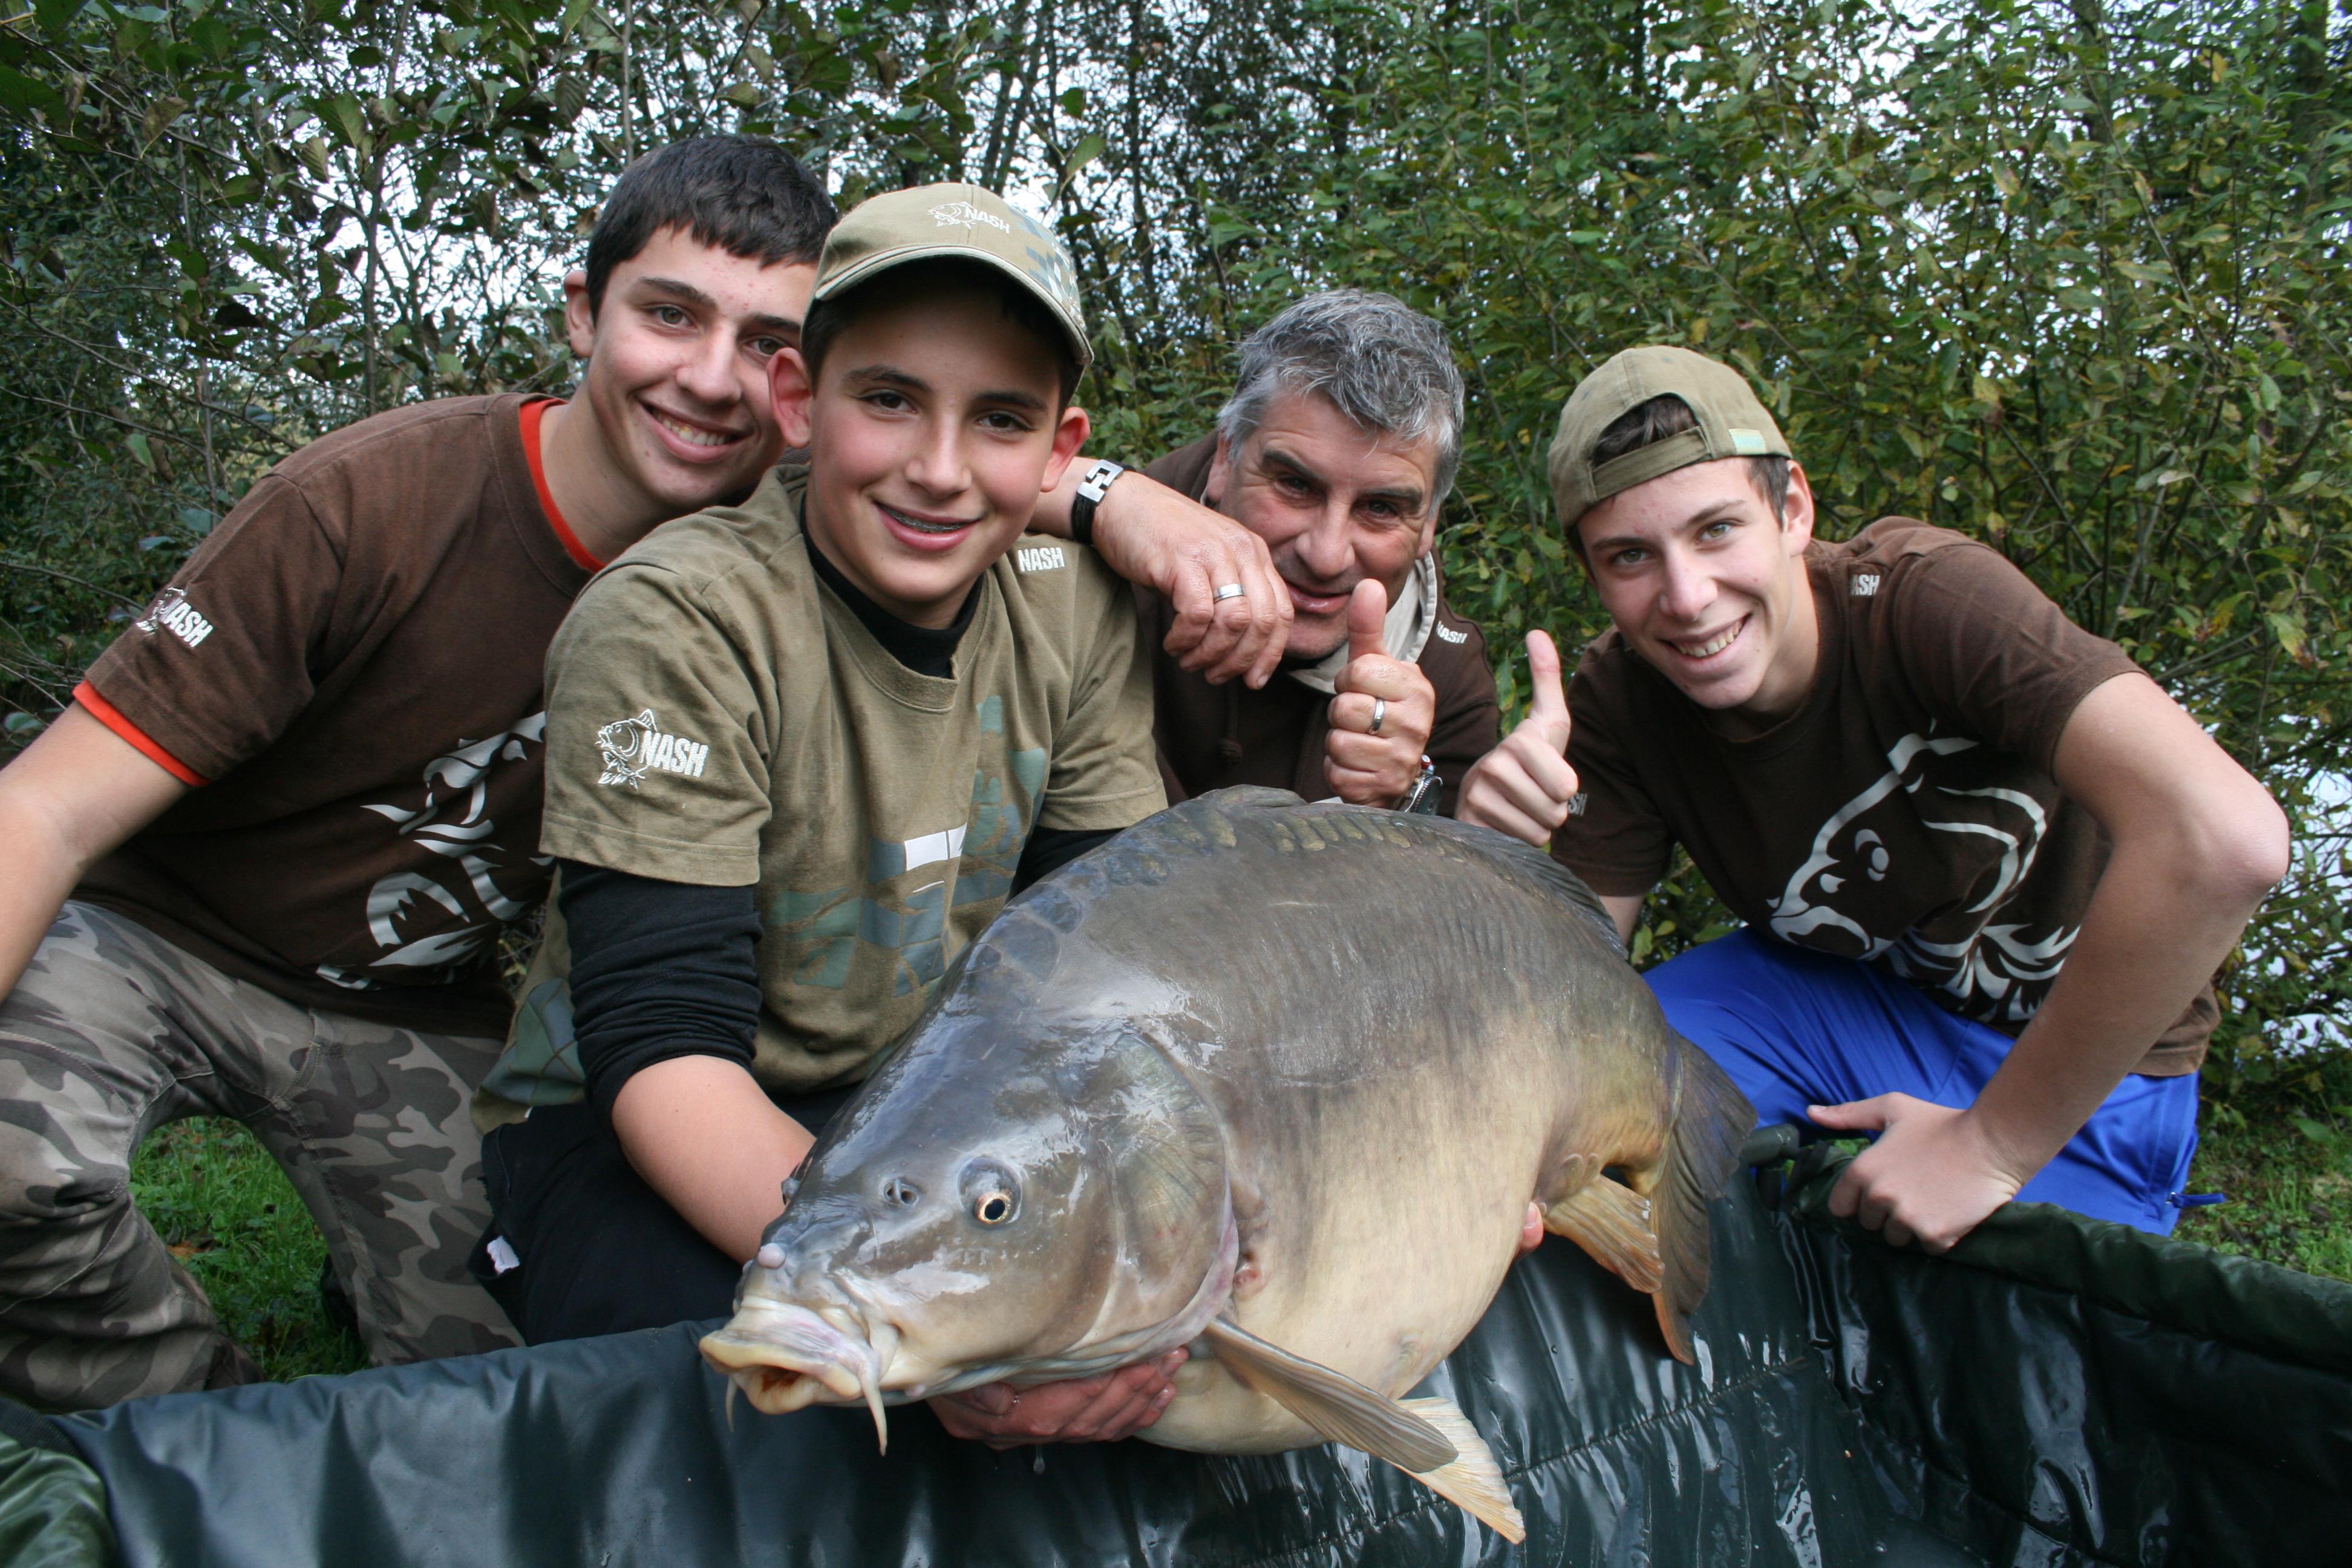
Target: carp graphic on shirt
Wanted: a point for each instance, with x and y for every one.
(437, 920)
(634, 747)
(1945, 784)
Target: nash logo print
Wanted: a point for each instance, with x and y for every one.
(634, 747)
(963, 214)
(172, 610)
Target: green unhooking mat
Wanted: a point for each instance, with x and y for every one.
(2057, 1392)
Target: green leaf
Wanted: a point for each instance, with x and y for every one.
(21, 92)
(1090, 147)
(56, 16)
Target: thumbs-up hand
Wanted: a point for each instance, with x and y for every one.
(1523, 786)
(1381, 713)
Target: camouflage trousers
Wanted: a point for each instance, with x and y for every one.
(111, 1033)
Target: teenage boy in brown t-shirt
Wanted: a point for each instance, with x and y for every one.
(800, 752)
(260, 867)
(1986, 864)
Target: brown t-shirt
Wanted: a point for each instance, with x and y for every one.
(1905, 815)
(351, 668)
(1213, 737)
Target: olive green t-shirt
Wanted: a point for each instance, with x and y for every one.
(718, 716)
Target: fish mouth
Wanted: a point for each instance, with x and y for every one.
(785, 1357)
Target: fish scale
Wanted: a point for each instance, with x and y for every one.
(1273, 1080)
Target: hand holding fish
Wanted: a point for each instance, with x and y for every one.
(1932, 1174)
(1523, 787)
(1382, 714)
(1100, 1409)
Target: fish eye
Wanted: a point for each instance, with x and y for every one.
(991, 1191)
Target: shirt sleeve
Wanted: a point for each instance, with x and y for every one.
(1977, 641)
(658, 970)
(653, 762)
(1104, 773)
(1616, 839)
(221, 662)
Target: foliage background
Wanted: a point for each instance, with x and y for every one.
(2069, 275)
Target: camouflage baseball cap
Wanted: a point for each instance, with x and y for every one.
(930, 221)
(1732, 423)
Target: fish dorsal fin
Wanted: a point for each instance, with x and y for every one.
(1473, 1480)
(1612, 1222)
(1334, 1404)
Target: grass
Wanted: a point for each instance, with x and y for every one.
(2289, 1191)
(227, 1213)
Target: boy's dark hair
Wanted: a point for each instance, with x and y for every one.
(828, 319)
(1665, 415)
(742, 195)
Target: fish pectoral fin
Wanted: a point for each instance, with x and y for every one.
(1612, 1222)
(1334, 1404)
(1473, 1480)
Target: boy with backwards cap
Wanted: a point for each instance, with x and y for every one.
(1986, 865)
(800, 752)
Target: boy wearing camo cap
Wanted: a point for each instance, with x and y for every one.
(1986, 865)
(801, 750)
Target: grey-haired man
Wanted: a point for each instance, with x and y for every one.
(1336, 448)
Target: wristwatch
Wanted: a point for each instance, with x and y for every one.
(1090, 492)
(1421, 799)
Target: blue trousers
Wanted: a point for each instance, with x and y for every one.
(1794, 1028)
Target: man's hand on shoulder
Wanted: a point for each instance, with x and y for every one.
(1185, 553)
(1100, 1409)
(1369, 762)
(1931, 1176)
(1523, 786)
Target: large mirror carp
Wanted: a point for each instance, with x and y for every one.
(1275, 1081)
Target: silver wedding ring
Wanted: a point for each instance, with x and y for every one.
(1230, 591)
(1379, 713)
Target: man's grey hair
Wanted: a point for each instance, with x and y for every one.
(1383, 365)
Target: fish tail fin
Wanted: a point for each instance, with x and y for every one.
(1474, 1480)
(1711, 1119)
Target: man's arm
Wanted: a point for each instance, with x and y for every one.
(2198, 843)
(704, 1135)
(68, 799)
(666, 1002)
(1184, 551)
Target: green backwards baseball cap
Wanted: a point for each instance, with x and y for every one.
(959, 220)
(1732, 423)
